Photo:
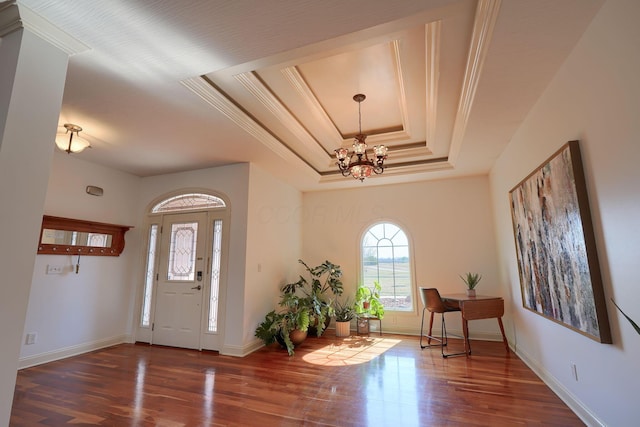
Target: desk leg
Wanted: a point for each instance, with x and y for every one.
(465, 332)
(504, 337)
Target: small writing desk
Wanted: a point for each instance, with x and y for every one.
(478, 307)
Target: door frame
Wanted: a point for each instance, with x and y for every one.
(144, 333)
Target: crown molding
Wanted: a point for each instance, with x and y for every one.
(214, 97)
(14, 16)
(432, 55)
(256, 88)
(9, 18)
(292, 74)
(485, 20)
(404, 109)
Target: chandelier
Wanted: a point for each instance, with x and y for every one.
(357, 164)
(74, 144)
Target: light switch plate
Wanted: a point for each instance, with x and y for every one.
(54, 269)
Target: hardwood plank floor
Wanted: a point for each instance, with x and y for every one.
(356, 381)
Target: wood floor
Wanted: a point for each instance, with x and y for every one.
(356, 381)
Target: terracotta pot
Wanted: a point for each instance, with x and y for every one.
(343, 329)
(366, 305)
(297, 336)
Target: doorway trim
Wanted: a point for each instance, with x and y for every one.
(144, 332)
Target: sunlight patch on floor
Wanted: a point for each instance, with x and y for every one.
(350, 351)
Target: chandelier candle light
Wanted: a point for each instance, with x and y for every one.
(361, 167)
(74, 144)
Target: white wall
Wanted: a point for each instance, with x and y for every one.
(449, 224)
(274, 245)
(72, 313)
(595, 97)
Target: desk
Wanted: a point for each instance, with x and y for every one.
(478, 307)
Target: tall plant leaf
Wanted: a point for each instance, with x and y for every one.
(634, 324)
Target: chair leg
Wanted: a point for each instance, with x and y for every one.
(429, 336)
(430, 327)
(445, 338)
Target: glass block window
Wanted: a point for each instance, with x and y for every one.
(145, 317)
(182, 251)
(215, 276)
(386, 259)
(187, 202)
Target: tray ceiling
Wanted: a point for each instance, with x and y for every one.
(161, 86)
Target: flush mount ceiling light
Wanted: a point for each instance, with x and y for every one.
(70, 141)
(361, 167)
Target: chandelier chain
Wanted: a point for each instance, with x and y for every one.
(357, 163)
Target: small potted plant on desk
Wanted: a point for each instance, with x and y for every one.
(471, 280)
(344, 313)
(368, 305)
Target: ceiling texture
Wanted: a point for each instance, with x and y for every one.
(168, 86)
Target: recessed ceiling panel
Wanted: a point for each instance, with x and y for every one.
(372, 71)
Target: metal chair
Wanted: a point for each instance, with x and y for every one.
(432, 301)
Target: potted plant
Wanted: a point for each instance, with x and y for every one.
(368, 301)
(289, 327)
(344, 313)
(324, 281)
(471, 280)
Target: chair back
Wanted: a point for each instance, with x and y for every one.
(432, 301)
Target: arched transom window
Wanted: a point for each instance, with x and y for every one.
(386, 259)
(187, 202)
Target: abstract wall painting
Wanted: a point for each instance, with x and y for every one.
(557, 259)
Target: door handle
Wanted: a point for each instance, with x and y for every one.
(197, 287)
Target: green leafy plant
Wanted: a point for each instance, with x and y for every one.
(634, 324)
(471, 280)
(368, 300)
(277, 326)
(323, 282)
(302, 304)
(344, 310)
(270, 327)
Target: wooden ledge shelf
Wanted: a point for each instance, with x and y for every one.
(66, 236)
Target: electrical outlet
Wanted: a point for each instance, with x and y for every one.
(574, 371)
(54, 269)
(31, 338)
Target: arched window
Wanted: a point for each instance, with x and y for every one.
(386, 259)
(185, 202)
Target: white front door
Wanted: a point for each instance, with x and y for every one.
(181, 280)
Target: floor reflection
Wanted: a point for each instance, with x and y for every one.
(350, 351)
(138, 398)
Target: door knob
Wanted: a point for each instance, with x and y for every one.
(197, 287)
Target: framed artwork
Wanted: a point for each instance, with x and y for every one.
(555, 245)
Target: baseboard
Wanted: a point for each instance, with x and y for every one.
(565, 395)
(241, 351)
(63, 353)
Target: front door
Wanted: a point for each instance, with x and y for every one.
(181, 280)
